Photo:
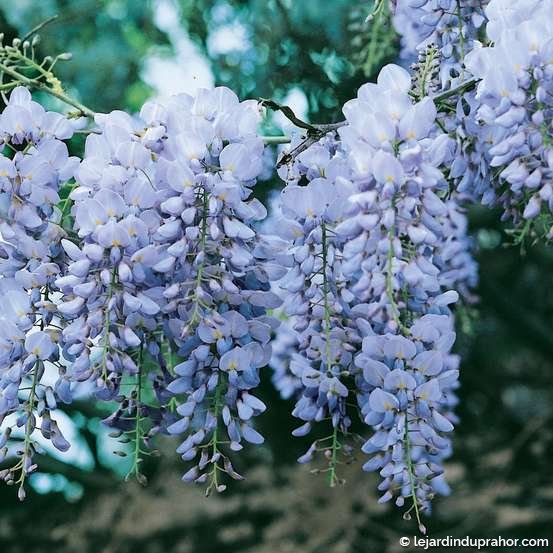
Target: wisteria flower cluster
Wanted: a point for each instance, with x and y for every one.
(450, 26)
(152, 261)
(170, 215)
(33, 166)
(375, 266)
(503, 127)
(313, 291)
(148, 276)
(514, 108)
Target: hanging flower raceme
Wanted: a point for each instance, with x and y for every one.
(450, 27)
(33, 166)
(313, 291)
(217, 271)
(441, 34)
(396, 250)
(404, 251)
(112, 296)
(513, 112)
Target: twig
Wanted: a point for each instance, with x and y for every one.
(40, 26)
(316, 131)
(467, 85)
(276, 139)
(314, 136)
(33, 83)
(288, 113)
(87, 131)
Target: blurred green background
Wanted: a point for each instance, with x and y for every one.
(312, 55)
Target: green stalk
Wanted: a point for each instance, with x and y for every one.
(105, 345)
(373, 41)
(389, 284)
(335, 446)
(276, 139)
(217, 407)
(30, 408)
(461, 38)
(37, 85)
(138, 433)
(28, 430)
(403, 330)
(409, 463)
(40, 26)
(201, 268)
(325, 297)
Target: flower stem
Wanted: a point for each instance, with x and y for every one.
(325, 297)
(37, 85)
(38, 27)
(105, 345)
(217, 406)
(199, 276)
(332, 477)
(377, 17)
(461, 39)
(335, 446)
(276, 139)
(389, 284)
(28, 429)
(409, 463)
(138, 430)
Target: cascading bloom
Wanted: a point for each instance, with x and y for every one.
(313, 291)
(111, 294)
(514, 107)
(31, 174)
(217, 270)
(441, 34)
(165, 286)
(404, 256)
(407, 398)
(451, 26)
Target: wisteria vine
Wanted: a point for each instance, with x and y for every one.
(148, 275)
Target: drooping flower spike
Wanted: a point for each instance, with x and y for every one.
(33, 166)
(321, 366)
(216, 271)
(449, 27)
(404, 251)
(512, 112)
(396, 250)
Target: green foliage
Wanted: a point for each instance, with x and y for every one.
(374, 38)
(108, 39)
(318, 47)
